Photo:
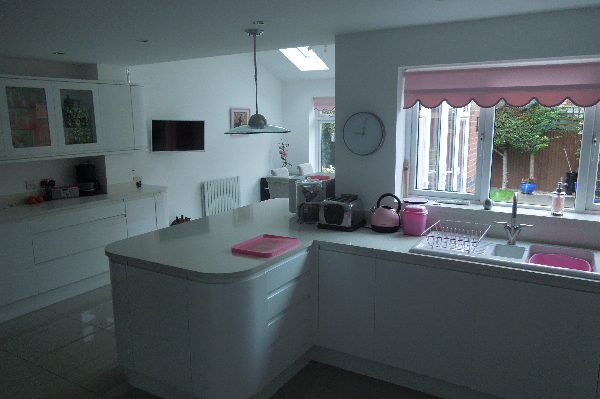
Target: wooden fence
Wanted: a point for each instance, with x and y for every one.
(550, 163)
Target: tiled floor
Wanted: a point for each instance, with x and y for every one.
(67, 351)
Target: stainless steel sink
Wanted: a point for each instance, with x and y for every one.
(497, 252)
(508, 251)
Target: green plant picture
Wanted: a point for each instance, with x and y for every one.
(78, 125)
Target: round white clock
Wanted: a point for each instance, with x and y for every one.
(364, 133)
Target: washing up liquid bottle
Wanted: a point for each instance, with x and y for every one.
(558, 200)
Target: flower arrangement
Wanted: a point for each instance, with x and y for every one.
(529, 180)
(283, 153)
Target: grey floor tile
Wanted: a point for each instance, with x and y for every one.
(310, 382)
(98, 375)
(30, 321)
(79, 352)
(36, 344)
(82, 302)
(46, 385)
(14, 369)
(126, 391)
(100, 316)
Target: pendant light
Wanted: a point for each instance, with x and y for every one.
(257, 122)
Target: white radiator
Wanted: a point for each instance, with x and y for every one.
(221, 195)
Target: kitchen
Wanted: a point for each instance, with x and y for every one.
(354, 91)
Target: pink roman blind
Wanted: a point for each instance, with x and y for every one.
(322, 103)
(517, 85)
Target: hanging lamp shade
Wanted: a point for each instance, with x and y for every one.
(257, 123)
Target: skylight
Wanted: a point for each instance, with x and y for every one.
(304, 58)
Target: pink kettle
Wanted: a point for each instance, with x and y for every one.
(386, 219)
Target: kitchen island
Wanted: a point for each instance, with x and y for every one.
(194, 319)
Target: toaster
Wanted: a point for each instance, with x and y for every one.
(345, 213)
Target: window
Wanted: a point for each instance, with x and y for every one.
(472, 152)
(325, 125)
(324, 108)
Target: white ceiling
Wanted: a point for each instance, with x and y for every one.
(106, 31)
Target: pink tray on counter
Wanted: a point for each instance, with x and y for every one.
(265, 245)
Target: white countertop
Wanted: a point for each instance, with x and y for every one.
(117, 192)
(200, 250)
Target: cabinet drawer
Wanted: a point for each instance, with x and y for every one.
(288, 295)
(287, 271)
(70, 269)
(77, 216)
(74, 239)
(288, 320)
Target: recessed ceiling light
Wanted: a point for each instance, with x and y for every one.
(142, 40)
(304, 58)
(58, 53)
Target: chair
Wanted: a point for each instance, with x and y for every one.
(278, 186)
(282, 172)
(305, 169)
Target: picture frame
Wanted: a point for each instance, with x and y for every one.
(238, 117)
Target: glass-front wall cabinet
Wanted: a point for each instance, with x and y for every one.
(27, 118)
(77, 114)
(41, 118)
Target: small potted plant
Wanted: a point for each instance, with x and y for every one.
(528, 185)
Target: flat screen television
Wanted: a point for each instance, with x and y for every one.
(171, 135)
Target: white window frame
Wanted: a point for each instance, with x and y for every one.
(587, 168)
(320, 118)
(484, 158)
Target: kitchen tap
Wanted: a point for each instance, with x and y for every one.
(512, 229)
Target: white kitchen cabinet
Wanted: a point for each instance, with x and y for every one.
(346, 303)
(535, 341)
(117, 126)
(28, 118)
(77, 111)
(424, 320)
(67, 241)
(140, 129)
(45, 118)
(159, 327)
(17, 269)
(141, 215)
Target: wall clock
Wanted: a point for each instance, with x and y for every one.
(364, 133)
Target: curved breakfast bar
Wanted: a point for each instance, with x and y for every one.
(195, 320)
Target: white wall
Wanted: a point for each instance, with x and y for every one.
(298, 116)
(367, 76)
(204, 89)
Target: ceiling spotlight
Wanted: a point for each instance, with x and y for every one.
(58, 53)
(259, 23)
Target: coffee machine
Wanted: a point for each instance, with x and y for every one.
(86, 179)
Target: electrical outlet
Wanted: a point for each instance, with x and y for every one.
(30, 184)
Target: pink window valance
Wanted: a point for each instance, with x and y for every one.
(517, 85)
(321, 103)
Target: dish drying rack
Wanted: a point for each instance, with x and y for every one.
(460, 236)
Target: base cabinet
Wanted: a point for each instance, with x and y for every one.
(212, 340)
(346, 303)
(535, 341)
(17, 267)
(424, 320)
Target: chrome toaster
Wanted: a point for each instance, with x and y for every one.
(345, 213)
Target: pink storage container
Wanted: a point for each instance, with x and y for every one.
(414, 220)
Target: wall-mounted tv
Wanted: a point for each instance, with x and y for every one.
(171, 135)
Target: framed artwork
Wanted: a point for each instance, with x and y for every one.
(239, 117)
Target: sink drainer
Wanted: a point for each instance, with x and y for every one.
(460, 236)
